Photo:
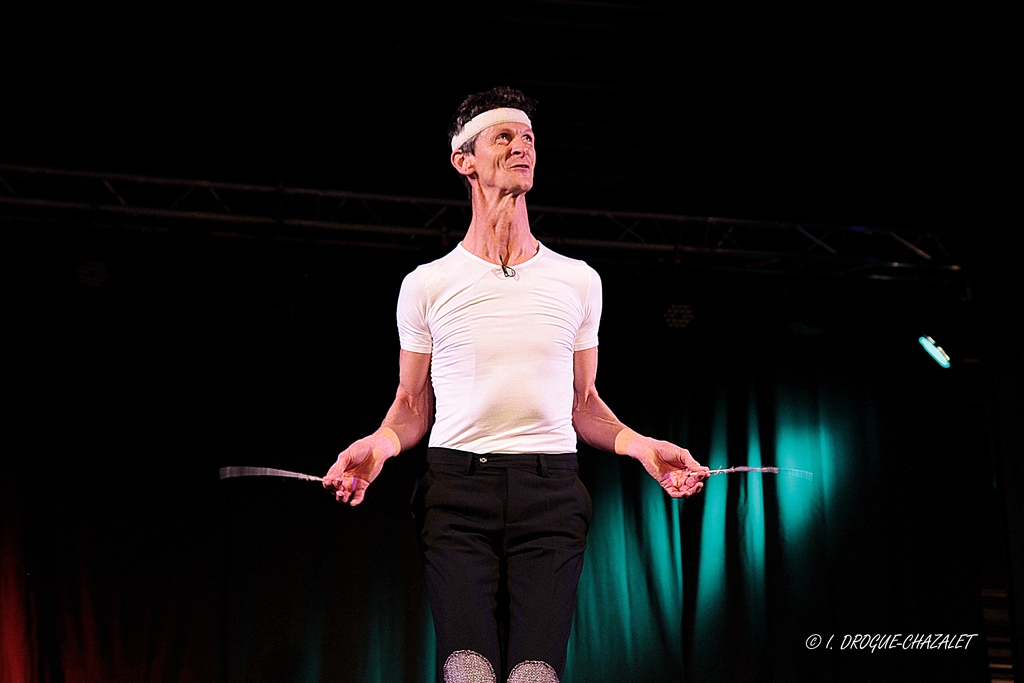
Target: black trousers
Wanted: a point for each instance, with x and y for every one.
(502, 537)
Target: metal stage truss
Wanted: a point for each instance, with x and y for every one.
(220, 209)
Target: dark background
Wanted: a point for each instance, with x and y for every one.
(139, 363)
(891, 118)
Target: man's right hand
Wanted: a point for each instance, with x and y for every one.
(357, 466)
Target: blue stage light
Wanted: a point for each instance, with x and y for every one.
(935, 351)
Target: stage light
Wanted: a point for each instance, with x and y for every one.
(935, 351)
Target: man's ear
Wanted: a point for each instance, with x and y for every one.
(464, 163)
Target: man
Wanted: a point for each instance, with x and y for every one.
(503, 332)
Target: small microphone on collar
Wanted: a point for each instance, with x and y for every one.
(509, 271)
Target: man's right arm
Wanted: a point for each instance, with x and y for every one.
(407, 421)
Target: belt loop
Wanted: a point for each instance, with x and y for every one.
(470, 458)
(543, 461)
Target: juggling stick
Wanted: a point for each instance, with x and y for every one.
(229, 472)
(803, 474)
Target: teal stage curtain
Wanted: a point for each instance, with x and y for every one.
(634, 610)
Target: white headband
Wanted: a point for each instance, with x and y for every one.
(489, 118)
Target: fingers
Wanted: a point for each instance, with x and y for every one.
(694, 466)
(683, 484)
(340, 480)
(358, 493)
(682, 479)
(350, 489)
(696, 470)
(681, 493)
(680, 457)
(335, 475)
(342, 491)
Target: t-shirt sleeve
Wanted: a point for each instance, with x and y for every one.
(413, 332)
(586, 338)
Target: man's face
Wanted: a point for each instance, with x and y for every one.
(504, 158)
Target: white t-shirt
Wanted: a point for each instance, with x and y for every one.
(502, 347)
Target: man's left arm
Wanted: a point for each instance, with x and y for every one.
(673, 467)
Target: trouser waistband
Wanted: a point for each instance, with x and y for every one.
(540, 462)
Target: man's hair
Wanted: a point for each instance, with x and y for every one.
(478, 103)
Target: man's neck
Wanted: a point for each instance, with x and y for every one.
(500, 229)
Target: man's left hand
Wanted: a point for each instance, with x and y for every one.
(671, 466)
